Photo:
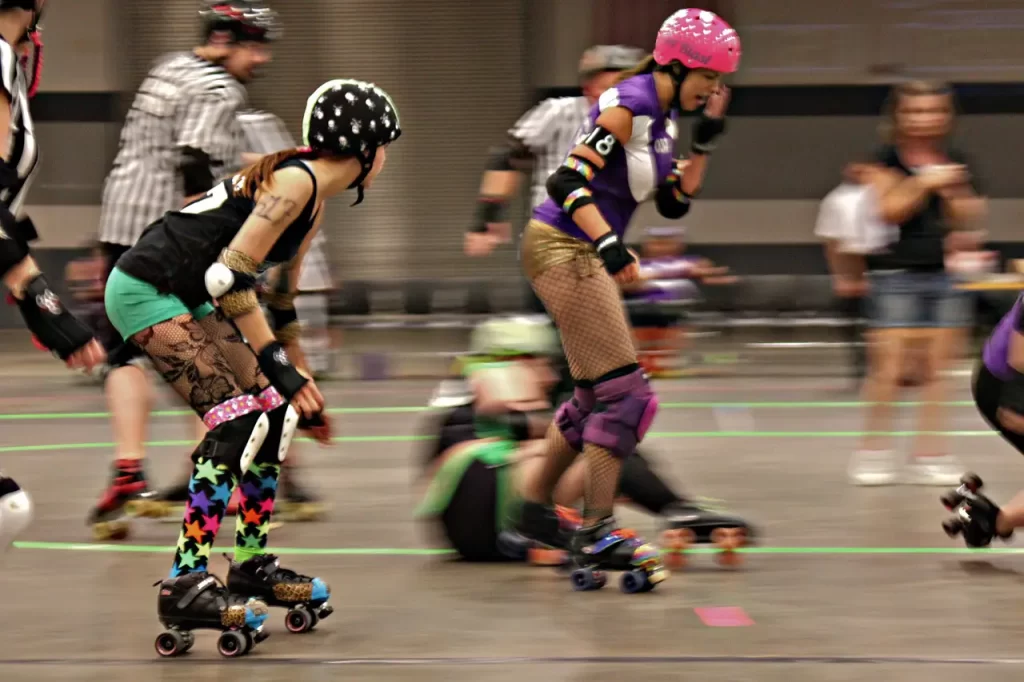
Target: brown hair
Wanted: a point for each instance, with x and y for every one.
(261, 173)
(915, 88)
(646, 65)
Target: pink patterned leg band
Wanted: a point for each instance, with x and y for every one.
(270, 399)
(231, 409)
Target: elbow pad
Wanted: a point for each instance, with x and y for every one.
(285, 319)
(196, 171)
(672, 202)
(569, 186)
(232, 281)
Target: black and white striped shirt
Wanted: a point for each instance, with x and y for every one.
(21, 153)
(550, 130)
(185, 101)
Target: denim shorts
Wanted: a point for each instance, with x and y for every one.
(917, 300)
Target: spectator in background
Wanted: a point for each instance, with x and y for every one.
(848, 224)
(668, 277)
(927, 190)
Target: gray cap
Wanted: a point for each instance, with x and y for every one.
(609, 58)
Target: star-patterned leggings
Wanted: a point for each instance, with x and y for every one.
(209, 365)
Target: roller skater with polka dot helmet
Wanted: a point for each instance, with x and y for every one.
(241, 372)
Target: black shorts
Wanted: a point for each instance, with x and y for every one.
(470, 521)
(987, 389)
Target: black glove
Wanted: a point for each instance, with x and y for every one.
(279, 370)
(705, 130)
(50, 322)
(613, 252)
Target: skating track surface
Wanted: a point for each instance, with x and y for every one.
(849, 584)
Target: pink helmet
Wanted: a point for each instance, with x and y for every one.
(698, 39)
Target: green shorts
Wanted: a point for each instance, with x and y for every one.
(133, 305)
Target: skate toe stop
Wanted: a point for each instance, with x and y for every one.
(321, 590)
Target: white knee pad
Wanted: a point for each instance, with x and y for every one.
(291, 423)
(255, 442)
(15, 515)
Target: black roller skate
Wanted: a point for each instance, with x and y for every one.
(606, 547)
(298, 504)
(200, 601)
(540, 536)
(128, 495)
(687, 524)
(974, 515)
(263, 578)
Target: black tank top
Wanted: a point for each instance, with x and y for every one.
(174, 253)
(920, 246)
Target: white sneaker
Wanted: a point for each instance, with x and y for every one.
(944, 470)
(872, 467)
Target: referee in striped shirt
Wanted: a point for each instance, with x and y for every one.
(539, 142)
(181, 133)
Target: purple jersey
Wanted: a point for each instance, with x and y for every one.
(633, 172)
(997, 349)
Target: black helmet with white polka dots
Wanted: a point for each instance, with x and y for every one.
(351, 118)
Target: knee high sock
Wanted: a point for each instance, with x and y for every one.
(255, 506)
(644, 487)
(209, 491)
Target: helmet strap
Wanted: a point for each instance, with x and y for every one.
(367, 163)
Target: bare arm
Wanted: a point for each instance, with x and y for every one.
(276, 207)
(287, 289)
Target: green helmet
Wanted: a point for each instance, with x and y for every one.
(508, 336)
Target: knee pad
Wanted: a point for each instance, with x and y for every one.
(283, 421)
(238, 429)
(572, 415)
(15, 512)
(630, 406)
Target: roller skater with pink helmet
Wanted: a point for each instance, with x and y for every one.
(574, 257)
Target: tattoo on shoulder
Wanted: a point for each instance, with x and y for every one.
(274, 208)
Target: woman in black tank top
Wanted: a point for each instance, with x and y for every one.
(925, 188)
(247, 381)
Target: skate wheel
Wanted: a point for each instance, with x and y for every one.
(585, 579)
(728, 540)
(232, 644)
(111, 530)
(972, 482)
(674, 544)
(951, 500)
(171, 643)
(250, 642)
(953, 527)
(299, 620)
(635, 581)
(190, 639)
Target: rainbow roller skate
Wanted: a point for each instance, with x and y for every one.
(605, 547)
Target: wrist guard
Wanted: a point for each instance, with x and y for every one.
(280, 372)
(613, 253)
(49, 321)
(489, 210)
(705, 131)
